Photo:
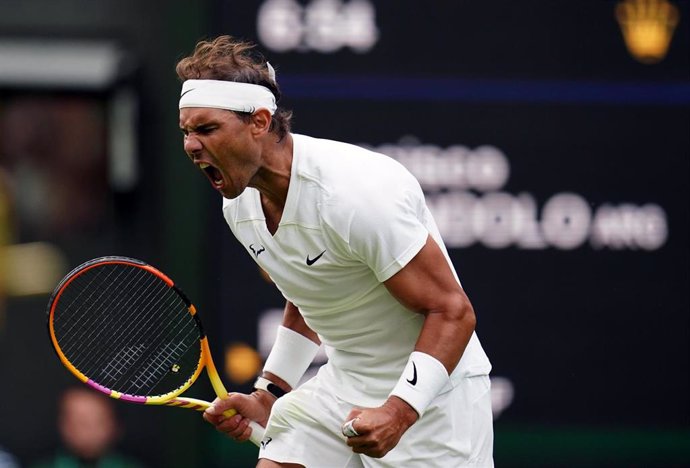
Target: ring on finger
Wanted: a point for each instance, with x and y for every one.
(349, 428)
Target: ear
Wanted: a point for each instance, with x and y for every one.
(261, 122)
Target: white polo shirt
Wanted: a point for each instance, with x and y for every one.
(352, 219)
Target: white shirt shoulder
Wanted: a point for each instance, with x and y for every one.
(368, 201)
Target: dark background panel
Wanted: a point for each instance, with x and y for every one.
(530, 39)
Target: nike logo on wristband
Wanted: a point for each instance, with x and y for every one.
(413, 381)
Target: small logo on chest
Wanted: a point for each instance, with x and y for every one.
(256, 250)
(311, 261)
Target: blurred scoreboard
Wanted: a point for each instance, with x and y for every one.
(556, 166)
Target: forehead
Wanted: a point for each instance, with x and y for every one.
(191, 117)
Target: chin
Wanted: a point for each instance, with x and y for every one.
(230, 195)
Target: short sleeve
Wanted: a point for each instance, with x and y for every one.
(386, 228)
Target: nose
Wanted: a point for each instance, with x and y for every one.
(192, 145)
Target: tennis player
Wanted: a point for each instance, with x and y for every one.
(347, 238)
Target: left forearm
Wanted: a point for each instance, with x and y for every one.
(447, 331)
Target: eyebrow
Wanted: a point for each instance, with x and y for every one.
(206, 121)
(196, 128)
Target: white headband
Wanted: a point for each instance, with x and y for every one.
(230, 95)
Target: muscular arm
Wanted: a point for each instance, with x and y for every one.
(426, 285)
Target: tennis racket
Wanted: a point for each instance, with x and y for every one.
(125, 329)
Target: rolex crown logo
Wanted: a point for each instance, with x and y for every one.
(647, 27)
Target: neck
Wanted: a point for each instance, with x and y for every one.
(273, 179)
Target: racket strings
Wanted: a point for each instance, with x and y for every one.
(94, 316)
(100, 318)
(156, 368)
(126, 356)
(167, 350)
(126, 329)
(129, 328)
(87, 291)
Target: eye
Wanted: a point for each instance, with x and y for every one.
(205, 130)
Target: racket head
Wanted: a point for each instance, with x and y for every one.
(124, 328)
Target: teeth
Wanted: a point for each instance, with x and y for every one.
(203, 165)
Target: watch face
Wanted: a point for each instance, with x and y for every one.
(275, 390)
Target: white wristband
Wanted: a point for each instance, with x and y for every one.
(423, 378)
(291, 355)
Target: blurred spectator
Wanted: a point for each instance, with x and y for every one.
(89, 431)
(7, 460)
(54, 151)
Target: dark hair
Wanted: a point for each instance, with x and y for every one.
(226, 58)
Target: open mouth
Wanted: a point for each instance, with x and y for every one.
(213, 174)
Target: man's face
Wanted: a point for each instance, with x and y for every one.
(87, 424)
(222, 146)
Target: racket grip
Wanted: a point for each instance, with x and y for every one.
(200, 405)
(257, 433)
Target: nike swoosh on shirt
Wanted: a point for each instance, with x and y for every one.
(311, 261)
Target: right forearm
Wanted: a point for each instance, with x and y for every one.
(293, 350)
